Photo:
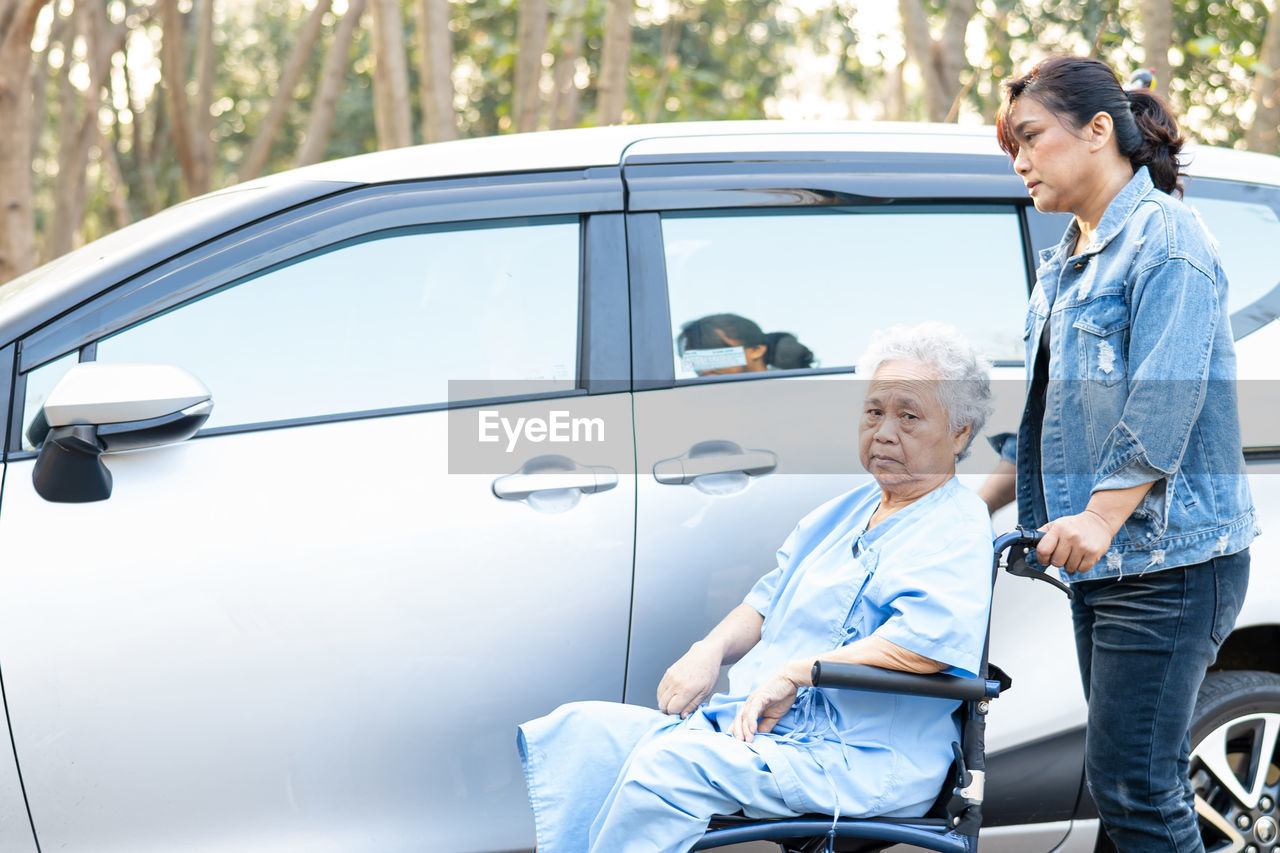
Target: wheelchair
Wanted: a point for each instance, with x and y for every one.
(952, 824)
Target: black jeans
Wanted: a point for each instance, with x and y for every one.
(1144, 644)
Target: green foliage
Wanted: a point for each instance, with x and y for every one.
(1217, 59)
(710, 59)
(690, 59)
(1213, 61)
(484, 48)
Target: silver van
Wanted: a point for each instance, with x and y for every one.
(316, 486)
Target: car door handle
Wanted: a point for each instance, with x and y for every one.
(553, 473)
(685, 469)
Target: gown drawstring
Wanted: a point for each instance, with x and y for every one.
(815, 718)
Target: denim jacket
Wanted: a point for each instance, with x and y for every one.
(1141, 387)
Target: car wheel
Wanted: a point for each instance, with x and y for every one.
(1235, 768)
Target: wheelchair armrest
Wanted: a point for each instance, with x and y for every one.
(873, 678)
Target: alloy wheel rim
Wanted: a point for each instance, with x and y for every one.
(1235, 772)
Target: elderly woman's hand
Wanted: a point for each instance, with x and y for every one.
(689, 680)
(769, 702)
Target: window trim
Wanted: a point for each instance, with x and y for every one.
(12, 389)
(604, 348)
(723, 180)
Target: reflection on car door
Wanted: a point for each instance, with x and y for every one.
(309, 628)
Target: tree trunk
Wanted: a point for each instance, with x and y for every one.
(325, 104)
(256, 158)
(615, 61)
(896, 99)
(202, 117)
(667, 60)
(921, 49)
(81, 128)
(941, 61)
(390, 76)
(173, 65)
(531, 43)
(116, 186)
(435, 71)
(57, 234)
(42, 72)
(143, 159)
(1157, 36)
(564, 95)
(1264, 130)
(951, 55)
(17, 218)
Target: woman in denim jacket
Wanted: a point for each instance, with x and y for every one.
(1128, 454)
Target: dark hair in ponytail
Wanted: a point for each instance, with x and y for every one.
(1078, 89)
(1161, 140)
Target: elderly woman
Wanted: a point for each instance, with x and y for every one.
(895, 574)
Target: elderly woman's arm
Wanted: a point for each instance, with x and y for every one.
(772, 699)
(691, 679)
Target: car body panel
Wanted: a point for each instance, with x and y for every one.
(291, 668)
(1263, 600)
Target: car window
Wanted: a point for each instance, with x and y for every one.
(1247, 233)
(1245, 222)
(39, 382)
(816, 283)
(378, 323)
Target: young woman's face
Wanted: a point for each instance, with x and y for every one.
(754, 356)
(1053, 160)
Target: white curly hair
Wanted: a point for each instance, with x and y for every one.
(963, 374)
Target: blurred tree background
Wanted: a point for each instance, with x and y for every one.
(113, 109)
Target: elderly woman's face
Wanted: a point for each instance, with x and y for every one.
(904, 439)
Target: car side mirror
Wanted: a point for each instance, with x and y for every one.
(99, 408)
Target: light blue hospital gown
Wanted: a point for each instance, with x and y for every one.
(620, 778)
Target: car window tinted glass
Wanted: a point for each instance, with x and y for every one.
(379, 323)
(1247, 233)
(832, 276)
(40, 382)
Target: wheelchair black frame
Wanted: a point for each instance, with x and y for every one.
(959, 832)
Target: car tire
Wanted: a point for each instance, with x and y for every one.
(1235, 767)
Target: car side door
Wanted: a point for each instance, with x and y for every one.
(828, 248)
(316, 624)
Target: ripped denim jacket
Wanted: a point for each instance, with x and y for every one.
(1141, 387)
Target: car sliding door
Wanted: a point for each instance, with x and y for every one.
(756, 451)
(315, 625)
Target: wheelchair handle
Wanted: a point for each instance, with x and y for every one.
(1019, 543)
(1023, 536)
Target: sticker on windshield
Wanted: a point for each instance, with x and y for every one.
(713, 359)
